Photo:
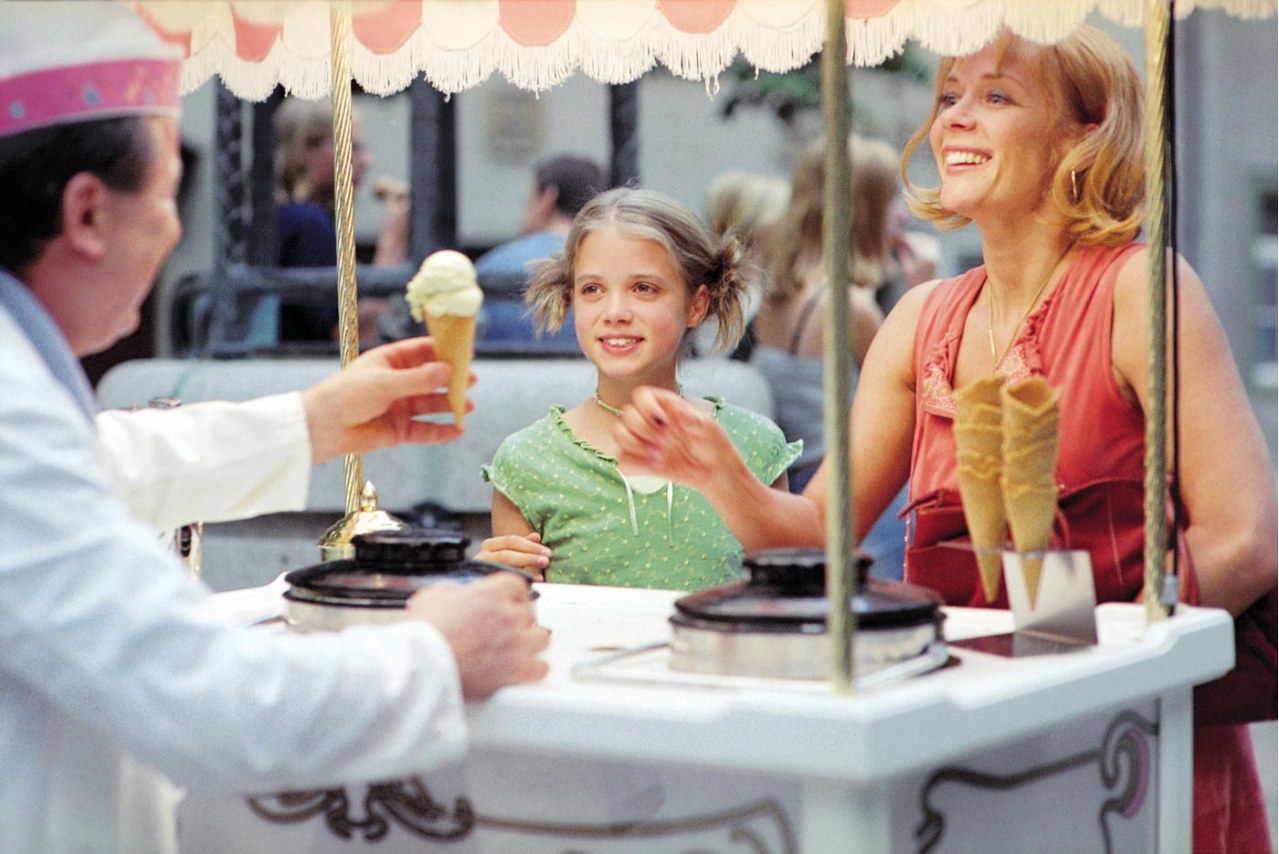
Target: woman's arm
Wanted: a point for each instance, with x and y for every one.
(514, 542)
(881, 423)
(1226, 477)
(864, 320)
(662, 434)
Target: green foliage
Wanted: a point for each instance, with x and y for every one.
(795, 92)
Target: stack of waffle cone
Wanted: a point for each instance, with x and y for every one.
(1029, 481)
(979, 438)
(454, 337)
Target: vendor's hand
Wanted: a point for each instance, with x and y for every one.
(373, 401)
(518, 551)
(662, 434)
(491, 626)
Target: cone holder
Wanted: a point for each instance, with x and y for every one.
(1063, 618)
(1064, 612)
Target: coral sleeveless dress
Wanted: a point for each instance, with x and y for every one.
(1100, 472)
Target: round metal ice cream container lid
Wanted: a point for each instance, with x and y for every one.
(774, 624)
(786, 591)
(375, 585)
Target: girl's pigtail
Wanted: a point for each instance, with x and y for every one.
(728, 285)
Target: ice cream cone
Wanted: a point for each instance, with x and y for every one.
(454, 337)
(1029, 475)
(1030, 511)
(979, 434)
(444, 293)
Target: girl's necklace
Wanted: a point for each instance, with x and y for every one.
(610, 408)
(990, 304)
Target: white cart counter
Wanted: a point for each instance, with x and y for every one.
(1087, 750)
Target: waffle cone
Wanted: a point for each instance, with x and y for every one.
(984, 512)
(980, 400)
(1031, 510)
(978, 435)
(979, 439)
(1029, 477)
(1028, 400)
(454, 337)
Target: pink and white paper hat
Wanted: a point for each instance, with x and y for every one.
(70, 62)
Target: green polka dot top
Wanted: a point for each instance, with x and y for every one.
(600, 531)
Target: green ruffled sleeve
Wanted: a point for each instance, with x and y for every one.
(760, 442)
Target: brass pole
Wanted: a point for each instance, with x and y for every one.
(1158, 15)
(344, 214)
(836, 199)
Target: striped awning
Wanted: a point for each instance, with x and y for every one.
(256, 44)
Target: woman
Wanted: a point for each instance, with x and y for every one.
(1040, 148)
(788, 328)
(305, 230)
(747, 206)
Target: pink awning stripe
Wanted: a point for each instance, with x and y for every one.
(386, 27)
(253, 41)
(868, 8)
(536, 22)
(696, 16)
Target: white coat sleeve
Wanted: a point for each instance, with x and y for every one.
(208, 462)
(99, 621)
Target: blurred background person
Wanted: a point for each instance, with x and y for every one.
(748, 205)
(305, 228)
(789, 327)
(562, 184)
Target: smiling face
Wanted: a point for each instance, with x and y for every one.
(632, 307)
(997, 136)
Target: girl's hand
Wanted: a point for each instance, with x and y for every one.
(662, 434)
(518, 551)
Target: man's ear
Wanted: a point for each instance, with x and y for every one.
(84, 215)
(546, 201)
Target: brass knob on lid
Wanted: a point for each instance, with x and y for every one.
(336, 543)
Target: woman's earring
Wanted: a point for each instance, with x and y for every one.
(1074, 185)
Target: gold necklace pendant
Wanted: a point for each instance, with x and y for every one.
(995, 353)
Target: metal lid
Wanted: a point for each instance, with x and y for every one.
(414, 548)
(388, 568)
(787, 593)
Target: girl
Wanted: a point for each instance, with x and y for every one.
(640, 272)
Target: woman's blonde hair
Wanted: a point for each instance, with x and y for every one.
(745, 204)
(1099, 185)
(299, 126)
(797, 243)
(701, 258)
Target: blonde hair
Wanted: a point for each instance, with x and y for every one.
(797, 242)
(745, 203)
(299, 126)
(1093, 81)
(701, 258)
